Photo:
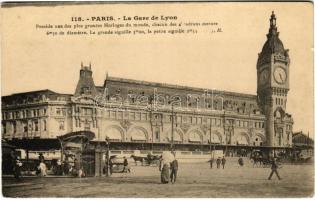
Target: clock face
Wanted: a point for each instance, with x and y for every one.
(280, 75)
(264, 75)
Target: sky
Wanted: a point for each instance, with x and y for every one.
(226, 61)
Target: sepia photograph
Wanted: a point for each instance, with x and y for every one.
(157, 99)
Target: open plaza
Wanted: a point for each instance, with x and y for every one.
(194, 180)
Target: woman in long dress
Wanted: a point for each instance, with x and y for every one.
(42, 168)
(165, 171)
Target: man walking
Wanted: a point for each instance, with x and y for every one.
(17, 169)
(110, 166)
(274, 168)
(174, 168)
(223, 162)
(126, 168)
(211, 162)
(218, 162)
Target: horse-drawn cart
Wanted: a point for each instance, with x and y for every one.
(260, 159)
(116, 165)
(148, 160)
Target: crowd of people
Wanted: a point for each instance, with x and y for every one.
(274, 165)
(219, 161)
(57, 167)
(168, 167)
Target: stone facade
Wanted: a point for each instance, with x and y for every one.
(131, 111)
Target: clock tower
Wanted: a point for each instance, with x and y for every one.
(273, 86)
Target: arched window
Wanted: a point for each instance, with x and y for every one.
(157, 134)
(278, 114)
(45, 125)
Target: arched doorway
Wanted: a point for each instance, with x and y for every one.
(114, 134)
(195, 136)
(215, 138)
(242, 140)
(177, 137)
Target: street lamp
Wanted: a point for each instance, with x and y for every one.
(172, 131)
(61, 149)
(107, 156)
(172, 137)
(210, 138)
(151, 100)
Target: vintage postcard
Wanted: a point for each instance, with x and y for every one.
(157, 99)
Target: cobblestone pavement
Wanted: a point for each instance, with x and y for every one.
(194, 180)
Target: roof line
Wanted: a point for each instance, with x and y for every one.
(173, 86)
(35, 91)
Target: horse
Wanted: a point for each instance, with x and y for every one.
(264, 162)
(259, 159)
(256, 161)
(138, 158)
(152, 158)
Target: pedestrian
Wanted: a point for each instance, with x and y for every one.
(174, 169)
(41, 157)
(59, 167)
(126, 167)
(165, 171)
(81, 172)
(240, 161)
(42, 168)
(66, 167)
(110, 166)
(149, 158)
(77, 167)
(17, 168)
(274, 168)
(223, 162)
(218, 162)
(211, 162)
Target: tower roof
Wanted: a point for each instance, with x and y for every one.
(273, 43)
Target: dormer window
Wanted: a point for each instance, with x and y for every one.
(278, 114)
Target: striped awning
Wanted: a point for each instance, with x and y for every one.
(72, 145)
(77, 137)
